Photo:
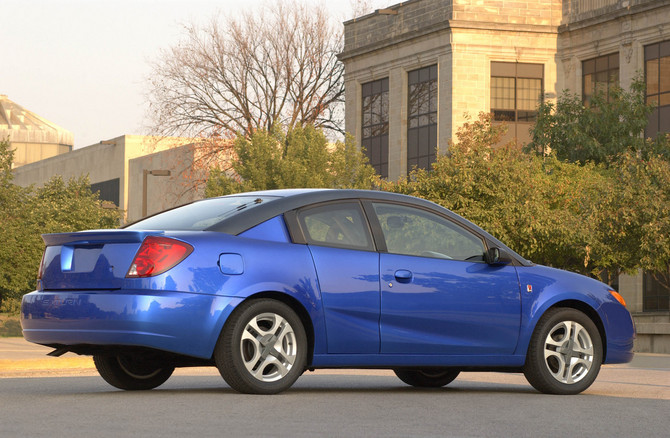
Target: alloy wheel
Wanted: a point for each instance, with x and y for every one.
(269, 347)
(568, 352)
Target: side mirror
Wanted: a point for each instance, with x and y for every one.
(496, 256)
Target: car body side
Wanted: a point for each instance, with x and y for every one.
(183, 310)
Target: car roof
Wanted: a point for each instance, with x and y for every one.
(291, 199)
(280, 201)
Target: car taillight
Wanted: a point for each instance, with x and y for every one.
(157, 255)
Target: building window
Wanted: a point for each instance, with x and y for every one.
(108, 190)
(657, 76)
(375, 138)
(516, 92)
(656, 292)
(599, 75)
(422, 117)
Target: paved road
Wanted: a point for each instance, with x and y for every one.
(626, 400)
(319, 405)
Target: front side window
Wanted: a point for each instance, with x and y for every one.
(416, 232)
(657, 77)
(375, 126)
(516, 92)
(599, 75)
(340, 225)
(422, 117)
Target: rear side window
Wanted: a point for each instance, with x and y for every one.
(340, 225)
(200, 215)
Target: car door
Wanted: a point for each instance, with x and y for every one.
(438, 295)
(347, 267)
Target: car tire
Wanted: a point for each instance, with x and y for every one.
(565, 352)
(131, 373)
(427, 377)
(262, 348)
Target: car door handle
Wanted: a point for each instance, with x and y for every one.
(403, 275)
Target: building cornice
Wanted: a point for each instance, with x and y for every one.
(446, 26)
(613, 13)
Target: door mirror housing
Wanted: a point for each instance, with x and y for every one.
(497, 257)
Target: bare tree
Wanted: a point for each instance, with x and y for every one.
(271, 67)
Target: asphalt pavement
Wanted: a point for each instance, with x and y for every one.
(647, 376)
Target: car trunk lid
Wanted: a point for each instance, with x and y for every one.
(88, 260)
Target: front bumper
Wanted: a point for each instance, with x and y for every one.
(620, 330)
(181, 323)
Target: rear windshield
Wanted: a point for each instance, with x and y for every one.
(200, 215)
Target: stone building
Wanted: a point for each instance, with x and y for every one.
(32, 137)
(602, 43)
(116, 169)
(416, 70)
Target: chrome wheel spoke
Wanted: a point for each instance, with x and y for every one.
(268, 347)
(279, 368)
(584, 351)
(254, 327)
(248, 335)
(559, 335)
(568, 352)
(260, 368)
(558, 365)
(554, 343)
(577, 332)
(578, 368)
(556, 356)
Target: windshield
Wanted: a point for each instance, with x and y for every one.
(200, 215)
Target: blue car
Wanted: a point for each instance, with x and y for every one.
(267, 285)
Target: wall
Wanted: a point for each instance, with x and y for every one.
(611, 28)
(164, 192)
(25, 153)
(462, 37)
(101, 162)
(593, 28)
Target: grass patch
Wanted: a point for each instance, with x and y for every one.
(10, 325)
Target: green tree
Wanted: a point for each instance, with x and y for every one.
(632, 212)
(68, 206)
(601, 132)
(542, 208)
(636, 220)
(302, 157)
(6, 160)
(27, 213)
(13, 233)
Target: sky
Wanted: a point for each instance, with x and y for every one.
(84, 64)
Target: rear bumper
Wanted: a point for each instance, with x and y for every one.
(181, 323)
